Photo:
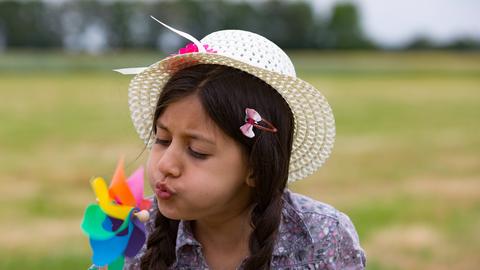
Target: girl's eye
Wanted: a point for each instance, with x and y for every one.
(162, 142)
(197, 155)
(192, 152)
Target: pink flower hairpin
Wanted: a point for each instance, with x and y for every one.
(252, 118)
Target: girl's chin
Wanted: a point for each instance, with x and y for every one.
(168, 212)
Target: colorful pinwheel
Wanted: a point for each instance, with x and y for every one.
(114, 225)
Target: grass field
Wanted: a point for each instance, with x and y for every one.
(405, 167)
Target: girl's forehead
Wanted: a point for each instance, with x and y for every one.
(188, 116)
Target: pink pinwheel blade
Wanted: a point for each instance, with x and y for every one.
(135, 183)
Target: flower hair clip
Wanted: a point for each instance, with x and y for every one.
(252, 118)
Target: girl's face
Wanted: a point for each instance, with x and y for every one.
(196, 171)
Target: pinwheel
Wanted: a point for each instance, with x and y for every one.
(114, 224)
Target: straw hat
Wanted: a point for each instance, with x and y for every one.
(314, 132)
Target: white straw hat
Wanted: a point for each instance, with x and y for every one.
(314, 132)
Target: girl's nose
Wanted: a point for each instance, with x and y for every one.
(169, 163)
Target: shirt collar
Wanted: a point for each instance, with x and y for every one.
(185, 235)
(293, 233)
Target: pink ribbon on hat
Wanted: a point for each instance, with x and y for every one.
(191, 47)
(196, 47)
(252, 118)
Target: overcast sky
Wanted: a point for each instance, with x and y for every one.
(393, 23)
(396, 22)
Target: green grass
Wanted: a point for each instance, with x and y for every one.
(405, 166)
(59, 261)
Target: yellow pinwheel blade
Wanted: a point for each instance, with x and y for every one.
(106, 203)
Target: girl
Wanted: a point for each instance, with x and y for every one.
(228, 125)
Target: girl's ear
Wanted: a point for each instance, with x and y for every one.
(250, 180)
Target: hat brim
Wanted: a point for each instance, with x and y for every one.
(314, 132)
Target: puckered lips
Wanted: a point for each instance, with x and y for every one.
(163, 192)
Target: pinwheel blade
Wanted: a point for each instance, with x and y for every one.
(105, 201)
(119, 189)
(136, 240)
(93, 224)
(105, 252)
(135, 183)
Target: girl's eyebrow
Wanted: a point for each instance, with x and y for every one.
(191, 134)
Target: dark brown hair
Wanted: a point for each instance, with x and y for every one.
(225, 92)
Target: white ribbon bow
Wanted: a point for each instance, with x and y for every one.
(136, 70)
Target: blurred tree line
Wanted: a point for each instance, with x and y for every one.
(93, 25)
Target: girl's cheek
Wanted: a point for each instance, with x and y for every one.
(150, 168)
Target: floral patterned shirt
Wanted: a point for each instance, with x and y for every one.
(312, 235)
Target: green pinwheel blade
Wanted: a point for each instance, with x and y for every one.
(92, 223)
(117, 264)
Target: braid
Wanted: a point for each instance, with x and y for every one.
(160, 253)
(266, 215)
(265, 220)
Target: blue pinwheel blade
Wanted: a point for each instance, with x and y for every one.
(107, 251)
